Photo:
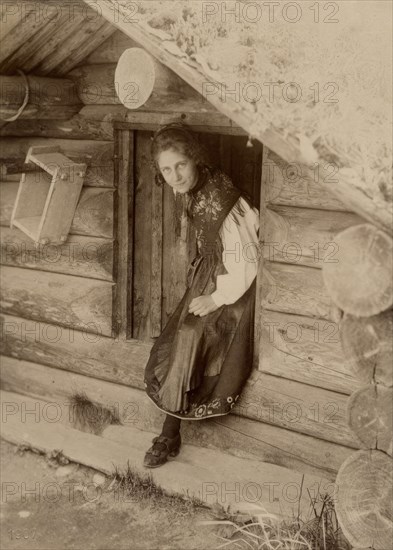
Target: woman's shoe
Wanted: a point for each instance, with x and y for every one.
(162, 449)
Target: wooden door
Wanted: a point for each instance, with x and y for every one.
(159, 244)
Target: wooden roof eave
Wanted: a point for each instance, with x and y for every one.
(50, 40)
(345, 189)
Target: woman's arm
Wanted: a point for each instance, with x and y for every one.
(239, 236)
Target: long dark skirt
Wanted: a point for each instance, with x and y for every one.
(199, 365)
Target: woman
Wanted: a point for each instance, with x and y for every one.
(203, 357)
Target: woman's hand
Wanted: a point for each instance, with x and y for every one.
(202, 305)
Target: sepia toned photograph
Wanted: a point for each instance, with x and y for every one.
(196, 260)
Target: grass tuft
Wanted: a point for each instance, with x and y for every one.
(261, 530)
(143, 489)
(91, 417)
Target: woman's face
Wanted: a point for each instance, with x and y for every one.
(178, 170)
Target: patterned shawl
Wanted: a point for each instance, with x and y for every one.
(208, 204)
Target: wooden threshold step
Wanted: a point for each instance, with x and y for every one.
(207, 474)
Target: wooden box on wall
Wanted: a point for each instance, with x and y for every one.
(47, 199)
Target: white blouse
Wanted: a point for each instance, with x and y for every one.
(240, 255)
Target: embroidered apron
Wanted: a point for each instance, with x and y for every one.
(198, 365)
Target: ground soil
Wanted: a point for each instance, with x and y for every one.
(66, 510)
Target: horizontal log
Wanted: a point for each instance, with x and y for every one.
(93, 215)
(311, 411)
(110, 453)
(96, 121)
(296, 289)
(368, 347)
(287, 184)
(55, 112)
(77, 127)
(42, 91)
(148, 121)
(370, 417)
(364, 499)
(232, 434)
(303, 235)
(75, 351)
(360, 280)
(98, 155)
(292, 405)
(97, 85)
(111, 49)
(304, 349)
(90, 257)
(100, 126)
(64, 300)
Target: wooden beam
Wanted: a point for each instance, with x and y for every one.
(44, 112)
(296, 289)
(98, 155)
(124, 235)
(74, 351)
(97, 84)
(186, 477)
(42, 91)
(146, 312)
(258, 312)
(79, 127)
(91, 36)
(64, 300)
(86, 36)
(346, 187)
(304, 236)
(232, 434)
(50, 24)
(304, 349)
(111, 49)
(287, 185)
(199, 123)
(157, 253)
(72, 20)
(20, 34)
(96, 121)
(81, 256)
(10, 17)
(285, 403)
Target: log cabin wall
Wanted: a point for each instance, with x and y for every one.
(57, 308)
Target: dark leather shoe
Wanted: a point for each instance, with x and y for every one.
(162, 449)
